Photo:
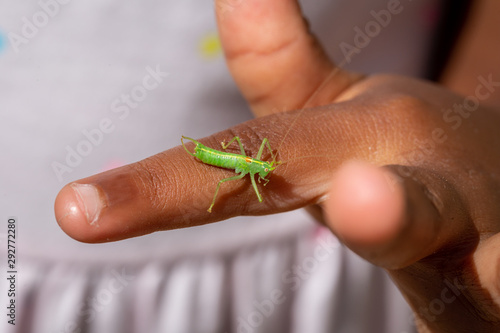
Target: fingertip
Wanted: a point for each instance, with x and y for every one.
(487, 262)
(71, 211)
(388, 215)
(365, 206)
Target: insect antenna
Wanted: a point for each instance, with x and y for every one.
(185, 137)
(307, 156)
(306, 103)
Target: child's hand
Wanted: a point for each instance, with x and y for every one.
(422, 203)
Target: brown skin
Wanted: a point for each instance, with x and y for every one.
(421, 202)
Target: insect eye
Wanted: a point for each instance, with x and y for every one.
(266, 169)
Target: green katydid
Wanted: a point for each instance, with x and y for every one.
(241, 164)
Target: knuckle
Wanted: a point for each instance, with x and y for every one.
(408, 102)
(398, 105)
(263, 49)
(411, 122)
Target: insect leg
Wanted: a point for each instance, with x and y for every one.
(255, 187)
(271, 151)
(219, 184)
(224, 146)
(265, 143)
(261, 149)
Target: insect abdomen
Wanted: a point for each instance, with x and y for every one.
(217, 158)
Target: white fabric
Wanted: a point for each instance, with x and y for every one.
(65, 78)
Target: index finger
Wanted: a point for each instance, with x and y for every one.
(174, 190)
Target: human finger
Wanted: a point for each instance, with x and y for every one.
(174, 190)
(275, 60)
(394, 216)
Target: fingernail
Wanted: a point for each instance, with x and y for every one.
(89, 201)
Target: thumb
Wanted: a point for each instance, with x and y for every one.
(486, 261)
(392, 219)
(275, 60)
